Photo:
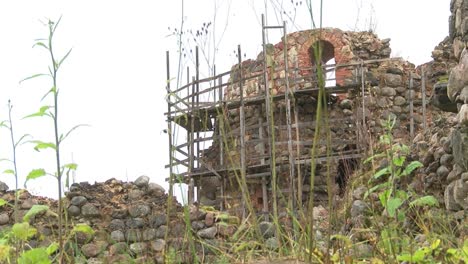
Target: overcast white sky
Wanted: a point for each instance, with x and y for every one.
(114, 80)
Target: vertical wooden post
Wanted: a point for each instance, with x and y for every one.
(423, 92)
(197, 99)
(411, 92)
(262, 161)
(191, 190)
(221, 142)
(298, 146)
(242, 131)
(169, 125)
(363, 92)
(268, 112)
(292, 184)
(214, 84)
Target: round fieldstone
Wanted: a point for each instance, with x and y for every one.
(394, 70)
(226, 231)
(73, 210)
(208, 233)
(89, 210)
(139, 210)
(155, 189)
(4, 219)
(161, 231)
(382, 102)
(119, 213)
(446, 160)
(158, 245)
(442, 172)
(3, 187)
(134, 195)
(364, 250)
(75, 187)
(117, 224)
(359, 192)
(359, 208)
(138, 248)
(118, 248)
(117, 236)
(177, 229)
(149, 234)
(134, 235)
(400, 89)
(346, 104)
(156, 221)
(78, 200)
(90, 250)
(267, 229)
(348, 112)
(396, 109)
(432, 167)
(209, 219)
(135, 223)
(399, 100)
(197, 215)
(197, 225)
(27, 204)
(393, 80)
(142, 181)
(455, 173)
(438, 153)
(445, 142)
(388, 91)
(272, 243)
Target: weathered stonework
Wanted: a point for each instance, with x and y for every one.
(388, 92)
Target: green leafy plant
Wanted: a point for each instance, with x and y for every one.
(52, 112)
(8, 124)
(399, 205)
(395, 155)
(16, 239)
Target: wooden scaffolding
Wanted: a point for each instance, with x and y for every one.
(196, 109)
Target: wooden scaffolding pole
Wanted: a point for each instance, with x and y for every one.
(221, 143)
(411, 108)
(169, 125)
(287, 95)
(197, 104)
(268, 112)
(242, 133)
(191, 187)
(262, 162)
(423, 94)
(298, 146)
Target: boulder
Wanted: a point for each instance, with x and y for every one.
(208, 233)
(142, 181)
(3, 187)
(89, 210)
(459, 143)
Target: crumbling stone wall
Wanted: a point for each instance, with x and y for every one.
(344, 46)
(129, 219)
(387, 93)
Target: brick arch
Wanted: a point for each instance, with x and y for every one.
(341, 50)
(328, 51)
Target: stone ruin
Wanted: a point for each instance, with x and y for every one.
(130, 219)
(368, 86)
(429, 102)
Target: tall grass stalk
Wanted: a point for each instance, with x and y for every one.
(53, 113)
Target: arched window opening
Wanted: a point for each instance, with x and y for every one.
(327, 58)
